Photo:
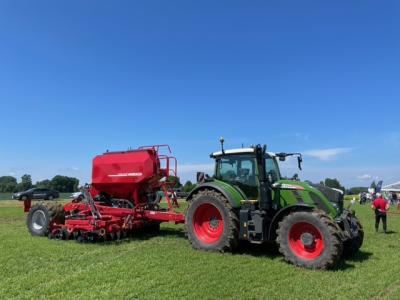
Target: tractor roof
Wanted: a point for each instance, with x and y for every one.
(238, 151)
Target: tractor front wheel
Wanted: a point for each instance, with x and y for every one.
(211, 223)
(352, 246)
(310, 239)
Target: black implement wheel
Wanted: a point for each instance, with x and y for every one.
(41, 215)
(211, 223)
(310, 239)
(351, 246)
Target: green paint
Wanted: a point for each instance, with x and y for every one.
(285, 197)
(236, 196)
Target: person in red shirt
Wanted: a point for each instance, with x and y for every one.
(380, 206)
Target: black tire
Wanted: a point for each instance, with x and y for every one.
(319, 250)
(41, 215)
(23, 198)
(50, 198)
(227, 237)
(351, 247)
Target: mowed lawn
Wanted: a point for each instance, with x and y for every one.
(166, 267)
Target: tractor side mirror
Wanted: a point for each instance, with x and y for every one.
(200, 177)
(299, 161)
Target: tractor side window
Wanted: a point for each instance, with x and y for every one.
(239, 171)
(227, 169)
(247, 172)
(272, 168)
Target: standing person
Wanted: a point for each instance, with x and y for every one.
(394, 197)
(388, 197)
(363, 198)
(380, 206)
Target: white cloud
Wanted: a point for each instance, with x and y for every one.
(327, 154)
(364, 177)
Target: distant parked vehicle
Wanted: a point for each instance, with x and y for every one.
(181, 194)
(36, 193)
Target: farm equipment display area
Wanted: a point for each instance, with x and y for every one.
(245, 200)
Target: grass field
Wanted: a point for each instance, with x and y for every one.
(166, 267)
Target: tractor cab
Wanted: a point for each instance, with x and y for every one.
(240, 168)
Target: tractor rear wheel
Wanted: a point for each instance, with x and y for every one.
(211, 223)
(351, 247)
(40, 217)
(310, 239)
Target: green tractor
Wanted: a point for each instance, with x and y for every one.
(247, 199)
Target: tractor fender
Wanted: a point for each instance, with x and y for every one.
(213, 186)
(283, 212)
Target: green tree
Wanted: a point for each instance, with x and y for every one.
(334, 183)
(44, 184)
(8, 184)
(64, 184)
(176, 181)
(26, 182)
(373, 185)
(356, 190)
(188, 186)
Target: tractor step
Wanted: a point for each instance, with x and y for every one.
(253, 225)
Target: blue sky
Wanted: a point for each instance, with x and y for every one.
(80, 77)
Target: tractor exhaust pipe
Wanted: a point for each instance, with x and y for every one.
(265, 197)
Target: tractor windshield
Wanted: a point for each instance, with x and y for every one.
(272, 168)
(241, 171)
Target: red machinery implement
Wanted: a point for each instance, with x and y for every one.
(124, 196)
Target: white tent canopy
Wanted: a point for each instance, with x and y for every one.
(394, 187)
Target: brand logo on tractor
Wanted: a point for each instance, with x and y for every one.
(126, 175)
(288, 186)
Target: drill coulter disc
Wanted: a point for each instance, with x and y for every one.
(111, 236)
(59, 234)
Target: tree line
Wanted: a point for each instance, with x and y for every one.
(328, 182)
(334, 183)
(187, 187)
(62, 184)
(65, 184)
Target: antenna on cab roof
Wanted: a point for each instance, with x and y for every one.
(222, 140)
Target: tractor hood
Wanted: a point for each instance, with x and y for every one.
(335, 196)
(292, 192)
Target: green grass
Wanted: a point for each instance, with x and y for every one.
(350, 197)
(166, 267)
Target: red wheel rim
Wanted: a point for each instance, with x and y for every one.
(208, 223)
(306, 241)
